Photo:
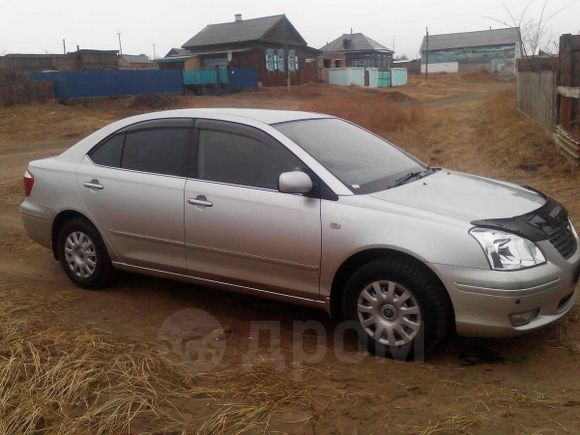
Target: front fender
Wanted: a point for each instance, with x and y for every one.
(355, 224)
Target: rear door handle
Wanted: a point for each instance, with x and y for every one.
(93, 184)
(200, 201)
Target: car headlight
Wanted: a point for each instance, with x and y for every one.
(506, 251)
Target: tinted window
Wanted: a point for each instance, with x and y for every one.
(161, 151)
(109, 152)
(238, 159)
(361, 160)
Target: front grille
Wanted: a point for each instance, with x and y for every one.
(564, 241)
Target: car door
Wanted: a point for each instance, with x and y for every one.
(133, 186)
(239, 228)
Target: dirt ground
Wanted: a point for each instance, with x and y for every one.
(78, 361)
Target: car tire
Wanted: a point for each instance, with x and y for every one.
(83, 255)
(397, 309)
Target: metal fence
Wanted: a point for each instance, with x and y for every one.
(205, 76)
(113, 83)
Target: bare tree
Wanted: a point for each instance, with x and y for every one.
(534, 30)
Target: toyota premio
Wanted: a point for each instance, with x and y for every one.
(310, 209)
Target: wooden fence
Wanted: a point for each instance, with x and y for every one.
(537, 89)
(549, 92)
(18, 89)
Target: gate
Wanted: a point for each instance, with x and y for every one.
(243, 78)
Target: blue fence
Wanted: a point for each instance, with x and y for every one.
(384, 79)
(205, 76)
(117, 83)
(114, 83)
(244, 78)
(398, 76)
(237, 78)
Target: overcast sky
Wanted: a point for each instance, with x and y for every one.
(38, 26)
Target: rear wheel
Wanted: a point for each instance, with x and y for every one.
(83, 255)
(397, 309)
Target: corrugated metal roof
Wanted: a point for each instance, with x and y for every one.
(354, 42)
(234, 31)
(510, 35)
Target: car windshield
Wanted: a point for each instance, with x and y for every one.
(364, 162)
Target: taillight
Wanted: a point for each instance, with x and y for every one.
(28, 183)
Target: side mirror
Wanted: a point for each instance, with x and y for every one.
(294, 182)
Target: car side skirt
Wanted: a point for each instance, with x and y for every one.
(238, 288)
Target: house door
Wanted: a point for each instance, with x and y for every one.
(367, 78)
(309, 72)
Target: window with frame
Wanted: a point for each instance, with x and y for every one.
(239, 159)
(109, 152)
(281, 60)
(158, 150)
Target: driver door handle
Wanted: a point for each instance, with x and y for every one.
(93, 184)
(200, 201)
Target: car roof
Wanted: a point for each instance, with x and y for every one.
(266, 116)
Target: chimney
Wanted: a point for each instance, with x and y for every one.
(238, 18)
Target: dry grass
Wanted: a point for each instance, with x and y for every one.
(256, 396)
(54, 380)
(34, 122)
(377, 110)
(64, 381)
(57, 380)
(453, 424)
(373, 110)
(514, 140)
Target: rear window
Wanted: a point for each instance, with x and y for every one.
(109, 152)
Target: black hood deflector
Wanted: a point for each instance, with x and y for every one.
(536, 225)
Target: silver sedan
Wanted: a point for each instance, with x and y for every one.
(310, 209)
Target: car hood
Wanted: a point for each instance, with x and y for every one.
(464, 197)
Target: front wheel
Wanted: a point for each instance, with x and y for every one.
(397, 309)
(83, 255)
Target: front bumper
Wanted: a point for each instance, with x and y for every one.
(484, 300)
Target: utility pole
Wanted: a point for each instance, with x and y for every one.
(154, 54)
(427, 54)
(286, 59)
(120, 46)
(63, 46)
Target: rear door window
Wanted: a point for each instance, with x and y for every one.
(160, 151)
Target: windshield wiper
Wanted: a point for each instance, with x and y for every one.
(411, 175)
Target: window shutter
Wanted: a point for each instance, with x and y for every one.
(292, 61)
(269, 60)
(281, 60)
